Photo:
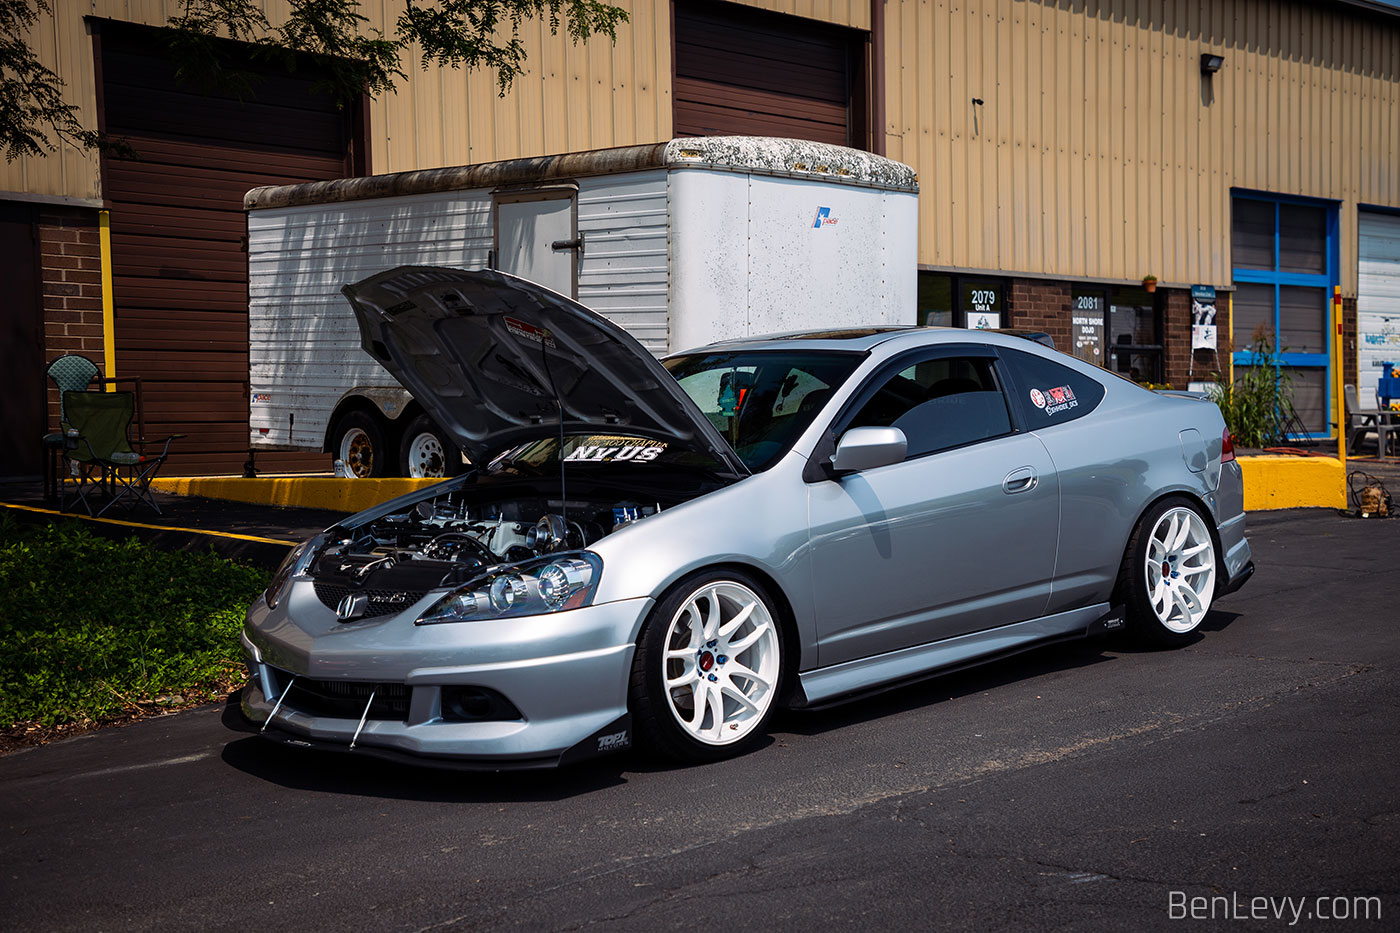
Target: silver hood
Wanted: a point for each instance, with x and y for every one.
(498, 360)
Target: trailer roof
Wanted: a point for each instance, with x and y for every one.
(765, 155)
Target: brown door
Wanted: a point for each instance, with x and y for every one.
(21, 343)
(741, 71)
(179, 261)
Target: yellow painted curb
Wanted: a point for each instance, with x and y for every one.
(1283, 482)
(308, 492)
(1270, 482)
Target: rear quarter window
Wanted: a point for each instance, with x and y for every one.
(1050, 393)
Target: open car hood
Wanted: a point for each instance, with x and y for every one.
(498, 360)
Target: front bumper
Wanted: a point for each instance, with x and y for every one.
(566, 675)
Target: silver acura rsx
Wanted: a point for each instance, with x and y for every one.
(664, 553)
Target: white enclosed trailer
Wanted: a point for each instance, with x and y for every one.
(680, 243)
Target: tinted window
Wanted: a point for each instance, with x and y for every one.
(939, 404)
(1051, 393)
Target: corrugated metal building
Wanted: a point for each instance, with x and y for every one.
(1066, 150)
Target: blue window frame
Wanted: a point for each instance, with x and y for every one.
(1285, 262)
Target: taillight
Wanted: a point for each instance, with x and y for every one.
(1227, 447)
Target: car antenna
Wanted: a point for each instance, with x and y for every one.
(559, 405)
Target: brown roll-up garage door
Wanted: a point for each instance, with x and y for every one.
(179, 265)
(741, 71)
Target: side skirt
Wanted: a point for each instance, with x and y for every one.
(866, 675)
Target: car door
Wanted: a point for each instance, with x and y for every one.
(958, 537)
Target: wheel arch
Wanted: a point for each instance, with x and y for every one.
(388, 406)
(1117, 597)
(783, 608)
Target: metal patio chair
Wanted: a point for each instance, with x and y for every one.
(1363, 421)
(71, 372)
(99, 455)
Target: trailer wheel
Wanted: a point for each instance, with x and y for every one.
(427, 451)
(359, 442)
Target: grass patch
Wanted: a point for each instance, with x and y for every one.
(93, 629)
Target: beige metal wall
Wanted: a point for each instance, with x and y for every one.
(1100, 150)
(572, 98)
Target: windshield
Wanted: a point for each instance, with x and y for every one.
(761, 400)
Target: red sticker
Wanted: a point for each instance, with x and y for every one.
(1037, 398)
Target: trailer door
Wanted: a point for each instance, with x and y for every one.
(537, 237)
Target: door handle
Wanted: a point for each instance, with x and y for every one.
(1022, 479)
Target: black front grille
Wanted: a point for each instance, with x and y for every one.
(381, 602)
(346, 699)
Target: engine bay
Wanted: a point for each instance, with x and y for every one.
(451, 538)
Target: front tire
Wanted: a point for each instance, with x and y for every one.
(708, 668)
(1169, 573)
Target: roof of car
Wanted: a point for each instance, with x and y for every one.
(858, 339)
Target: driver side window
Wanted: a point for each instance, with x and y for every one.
(940, 404)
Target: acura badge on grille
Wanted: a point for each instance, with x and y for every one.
(352, 607)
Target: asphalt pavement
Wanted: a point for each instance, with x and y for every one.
(1086, 786)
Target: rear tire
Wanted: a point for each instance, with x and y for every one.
(708, 669)
(427, 451)
(359, 442)
(1169, 573)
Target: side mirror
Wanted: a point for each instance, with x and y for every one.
(867, 448)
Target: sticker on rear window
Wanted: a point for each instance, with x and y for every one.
(530, 332)
(1054, 401)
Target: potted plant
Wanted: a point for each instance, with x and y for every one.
(1149, 282)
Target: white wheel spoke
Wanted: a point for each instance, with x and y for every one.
(730, 690)
(1181, 535)
(712, 617)
(680, 653)
(701, 697)
(739, 619)
(1193, 551)
(1180, 600)
(747, 642)
(1156, 550)
(1191, 601)
(1159, 599)
(739, 670)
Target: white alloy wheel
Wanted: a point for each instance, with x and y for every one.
(425, 456)
(357, 452)
(721, 662)
(1180, 569)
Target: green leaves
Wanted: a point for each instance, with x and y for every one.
(91, 628)
(33, 112)
(1251, 404)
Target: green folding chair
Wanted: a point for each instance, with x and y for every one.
(98, 453)
(71, 372)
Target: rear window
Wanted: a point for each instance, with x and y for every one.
(1049, 392)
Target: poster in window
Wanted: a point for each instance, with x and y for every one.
(1203, 328)
(1087, 329)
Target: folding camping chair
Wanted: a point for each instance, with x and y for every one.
(71, 372)
(99, 456)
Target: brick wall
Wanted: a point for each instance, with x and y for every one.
(71, 272)
(1037, 304)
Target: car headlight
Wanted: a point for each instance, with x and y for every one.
(529, 588)
(294, 565)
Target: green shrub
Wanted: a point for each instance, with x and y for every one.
(91, 627)
(1251, 404)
